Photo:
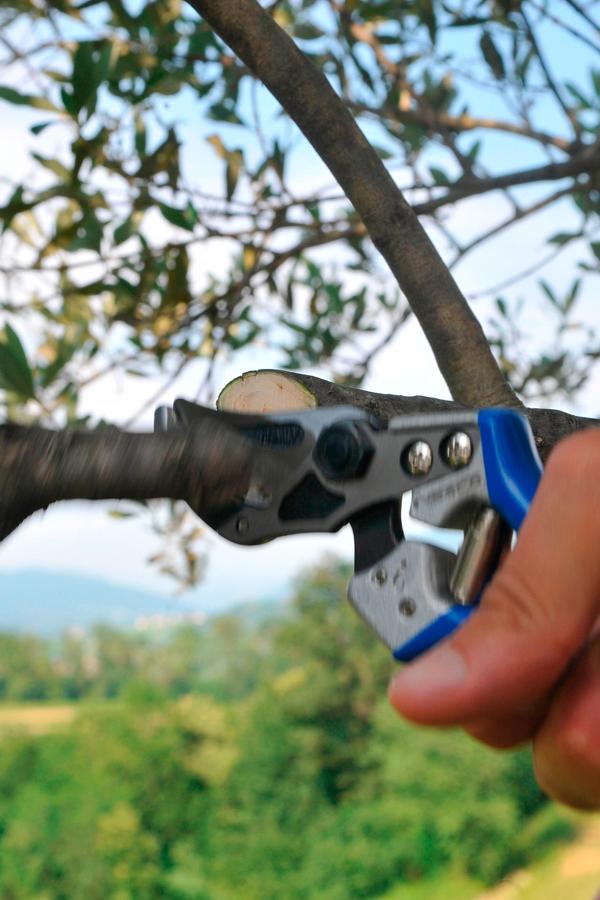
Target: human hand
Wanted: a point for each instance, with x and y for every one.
(526, 665)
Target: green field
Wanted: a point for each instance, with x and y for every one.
(35, 718)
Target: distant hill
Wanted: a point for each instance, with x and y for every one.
(48, 602)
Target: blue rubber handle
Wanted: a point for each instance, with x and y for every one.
(513, 471)
(512, 465)
(433, 633)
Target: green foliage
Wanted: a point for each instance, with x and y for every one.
(300, 782)
(117, 82)
(15, 374)
(559, 366)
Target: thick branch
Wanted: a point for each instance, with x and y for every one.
(39, 467)
(453, 331)
(209, 468)
(245, 394)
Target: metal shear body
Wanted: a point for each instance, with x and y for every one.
(317, 470)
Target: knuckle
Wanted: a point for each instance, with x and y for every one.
(513, 600)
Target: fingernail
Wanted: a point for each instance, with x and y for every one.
(437, 671)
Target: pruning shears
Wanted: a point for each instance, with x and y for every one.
(319, 469)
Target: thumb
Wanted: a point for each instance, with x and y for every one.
(535, 615)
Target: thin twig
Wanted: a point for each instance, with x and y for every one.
(574, 32)
(519, 276)
(578, 8)
(155, 397)
(547, 73)
(442, 121)
(587, 161)
(397, 323)
(521, 213)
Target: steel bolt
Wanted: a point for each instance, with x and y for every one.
(458, 450)
(242, 525)
(418, 459)
(342, 451)
(407, 607)
(380, 576)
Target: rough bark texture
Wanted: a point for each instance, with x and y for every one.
(455, 335)
(39, 467)
(549, 425)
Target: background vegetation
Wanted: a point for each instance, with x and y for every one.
(248, 762)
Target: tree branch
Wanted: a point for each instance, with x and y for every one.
(578, 35)
(570, 115)
(578, 8)
(423, 114)
(549, 425)
(584, 163)
(527, 272)
(455, 335)
(442, 121)
(39, 467)
(521, 213)
(207, 468)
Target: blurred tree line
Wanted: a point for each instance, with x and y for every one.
(269, 766)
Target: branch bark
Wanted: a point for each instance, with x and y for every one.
(39, 467)
(440, 121)
(586, 162)
(208, 469)
(549, 426)
(454, 333)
